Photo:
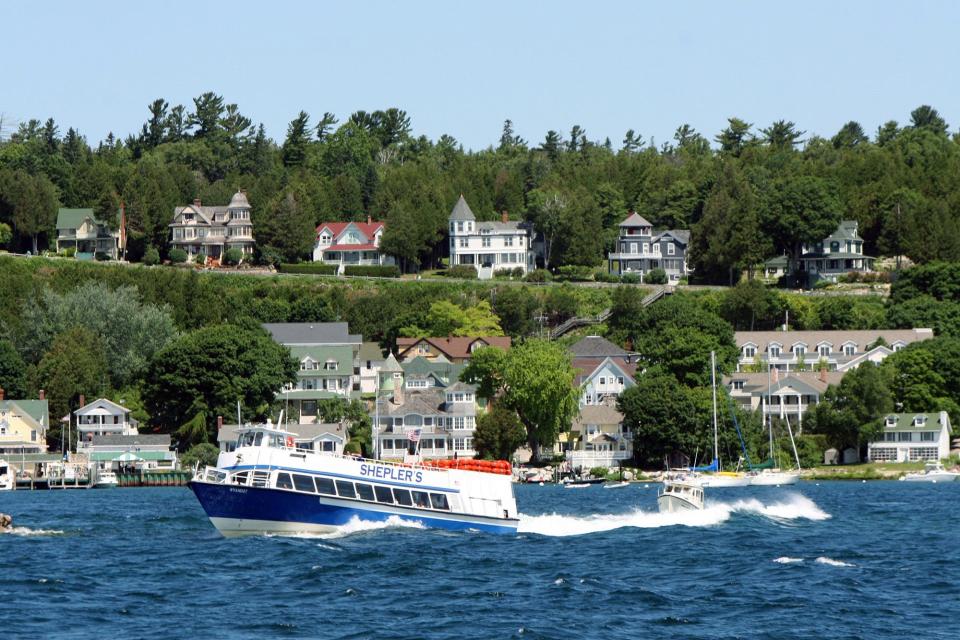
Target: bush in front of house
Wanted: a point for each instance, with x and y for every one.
(373, 270)
(574, 273)
(232, 256)
(178, 256)
(315, 268)
(631, 278)
(602, 275)
(656, 276)
(151, 256)
(538, 275)
(200, 259)
(101, 256)
(465, 271)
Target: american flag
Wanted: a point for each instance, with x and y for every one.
(413, 435)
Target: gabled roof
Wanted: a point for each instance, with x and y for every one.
(603, 413)
(906, 420)
(590, 368)
(461, 210)
(370, 351)
(73, 218)
(305, 333)
(454, 347)
(390, 365)
(862, 338)
(368, 229)
(35, 410)
(111, 406)
(682, 236)
(462, 387)
(595, 346)
(635, 220)
(445, 372)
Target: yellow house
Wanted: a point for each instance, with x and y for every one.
(23, 427)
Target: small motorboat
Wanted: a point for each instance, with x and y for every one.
(680, 496)
(106, 480)
(932, 472)
(6, 476)
(616, 485)
(576, 485)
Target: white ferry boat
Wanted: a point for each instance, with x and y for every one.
(267, 486)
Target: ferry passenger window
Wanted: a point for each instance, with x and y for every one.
(439, 501)
(325, 486)
(345, 489)
(258, 439)
(240, 478)
(365, 491)
(383, 494)
(421, 499)
(284, 481)
(402, 496)
(303, 483)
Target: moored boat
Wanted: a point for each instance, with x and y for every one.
(266, 486)
(106, 479)
(680, 496)
(773, 478)
(932, 472)
(723, 479)
(7, 480)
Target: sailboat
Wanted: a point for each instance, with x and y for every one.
(772, 475)
(714, 476)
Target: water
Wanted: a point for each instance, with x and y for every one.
(839, 560)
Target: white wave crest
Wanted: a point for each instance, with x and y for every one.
(833, 563)
(787, 560)
(794, 507)
(26, 531)
(356, 525)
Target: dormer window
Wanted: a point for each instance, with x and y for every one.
(919, 421)
(477, 345)
(749, 351)
(824, 350)
(774, 350)
(331, 365)
(799, 350)
(897, 346)
(849, 349)
(891, 421)
(738, 385)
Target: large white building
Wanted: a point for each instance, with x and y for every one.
(912, 437)
(489, 246)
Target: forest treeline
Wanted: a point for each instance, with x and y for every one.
(748, 192)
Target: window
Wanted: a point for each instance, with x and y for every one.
(824, 350)
(749, 351)
(620, 380)
(365, 491)
(834, 247)
(919, 421)
(904, 436)
(898, 346)
(439, 501)
(402, 497)
(508, 241)
(738, 384)
(603, 380)
(656, 248)
(485, 242)
(849, 349)
(331, 365)
(325, 486)
(303, 483)
(459, 226)
(421, 499)
(928, 436)
(890, 437)
(284, 481)
(345, 489)
(799, 350)
(383, 494)
(671, 249)
(923, 453)
(774, 350)
(646, 247)
(883, 454)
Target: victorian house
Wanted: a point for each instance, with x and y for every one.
(839, 253)
(640, 249)
(350, 243)
(87, 235)
(210, 231)
(489, 246)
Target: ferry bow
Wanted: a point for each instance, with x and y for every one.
(267, 486)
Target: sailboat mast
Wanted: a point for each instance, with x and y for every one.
(769, 413)
(713, 384)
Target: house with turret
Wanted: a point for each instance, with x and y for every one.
(640, 250)
(489, 246)
(839, 253)
(210, 231)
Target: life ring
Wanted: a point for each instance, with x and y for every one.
(290, 441)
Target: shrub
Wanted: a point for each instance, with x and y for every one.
(538, 275)
(204, 453)
(178, 256)
(151, 256)
(267, 256)
(376, 271)
(656, 276)
(101, 256)
(232, 256)
(317, 268)
(69, 252)
(200, 259)
(602, 275)
(599, 472)
(573, 273)
(631, 278)
(508, 274)
(465, 271)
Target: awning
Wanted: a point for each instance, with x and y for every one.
(127, 457)
(117, 456)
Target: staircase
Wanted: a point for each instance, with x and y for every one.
(573, 323)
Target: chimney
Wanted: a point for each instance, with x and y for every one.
(83, 399)
(504, 217)
(42, 395)
(196, 202)
(1, 394)
(369, 220)
(219, 423)
(823, 374)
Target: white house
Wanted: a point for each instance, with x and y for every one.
(489, 246)
(350, 243)
(912, 437)
(102, 417)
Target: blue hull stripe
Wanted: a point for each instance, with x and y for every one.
(313, 472)
(255, 503)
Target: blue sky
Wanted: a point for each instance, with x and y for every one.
(462, 68)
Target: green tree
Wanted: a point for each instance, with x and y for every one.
(33, 200)
(735, 137)
(6, 234)
(660, 414)
(209, 370)
(13, 378)
(850, 413)
(498, 434)
(205, 454)
(295, 146)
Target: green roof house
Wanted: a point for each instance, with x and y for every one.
(82, 231)
(839, 253)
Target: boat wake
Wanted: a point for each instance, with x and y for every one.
(27, 531)
(794, 507)
(356, 525)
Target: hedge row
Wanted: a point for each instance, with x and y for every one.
(378, 271)
(309, 267)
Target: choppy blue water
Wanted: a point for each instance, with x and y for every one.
(838, 560)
